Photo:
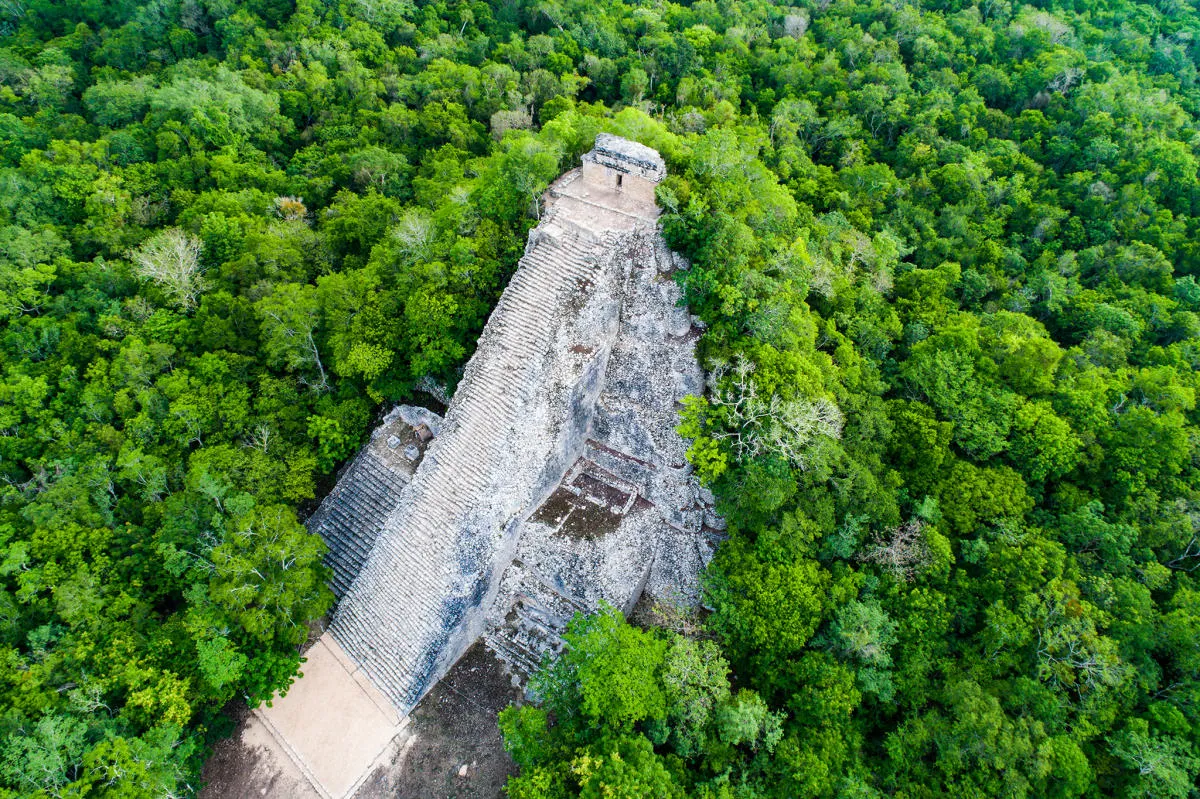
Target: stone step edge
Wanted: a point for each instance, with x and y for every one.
(297, 760)
(384, 756)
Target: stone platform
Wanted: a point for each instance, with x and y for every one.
(450, 745)
(321, 741)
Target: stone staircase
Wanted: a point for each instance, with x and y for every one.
(352, 515)
(676, 504)
(431, 560)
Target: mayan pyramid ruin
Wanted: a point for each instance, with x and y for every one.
(556, 479)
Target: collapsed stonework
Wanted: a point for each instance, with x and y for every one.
(556, 479)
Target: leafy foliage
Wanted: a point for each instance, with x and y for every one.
(948, 251)
(951, 225)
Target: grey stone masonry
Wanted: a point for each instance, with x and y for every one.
(369, 490)
(556, 480)
(352, 515)
(627, 157)
(628, 517)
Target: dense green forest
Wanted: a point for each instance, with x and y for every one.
(946, 252)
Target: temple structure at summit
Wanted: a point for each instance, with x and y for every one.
(555, 481)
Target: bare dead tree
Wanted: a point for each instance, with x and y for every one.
(414, 235)
(1069, 650)
(759, 426)
(1189, 559)
(795, 25)
(260, 438)
(321, 384)
(295, 329)
(171, 259)
(903, 551)
(505, 120)
(1064, 81)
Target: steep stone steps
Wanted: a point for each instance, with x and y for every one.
(516, 657)
(398, 612)
(535, 622)
(350, 518)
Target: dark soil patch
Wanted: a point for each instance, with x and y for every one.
(589, 521)
(454, 726)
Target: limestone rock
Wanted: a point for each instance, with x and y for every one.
(556, 479)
